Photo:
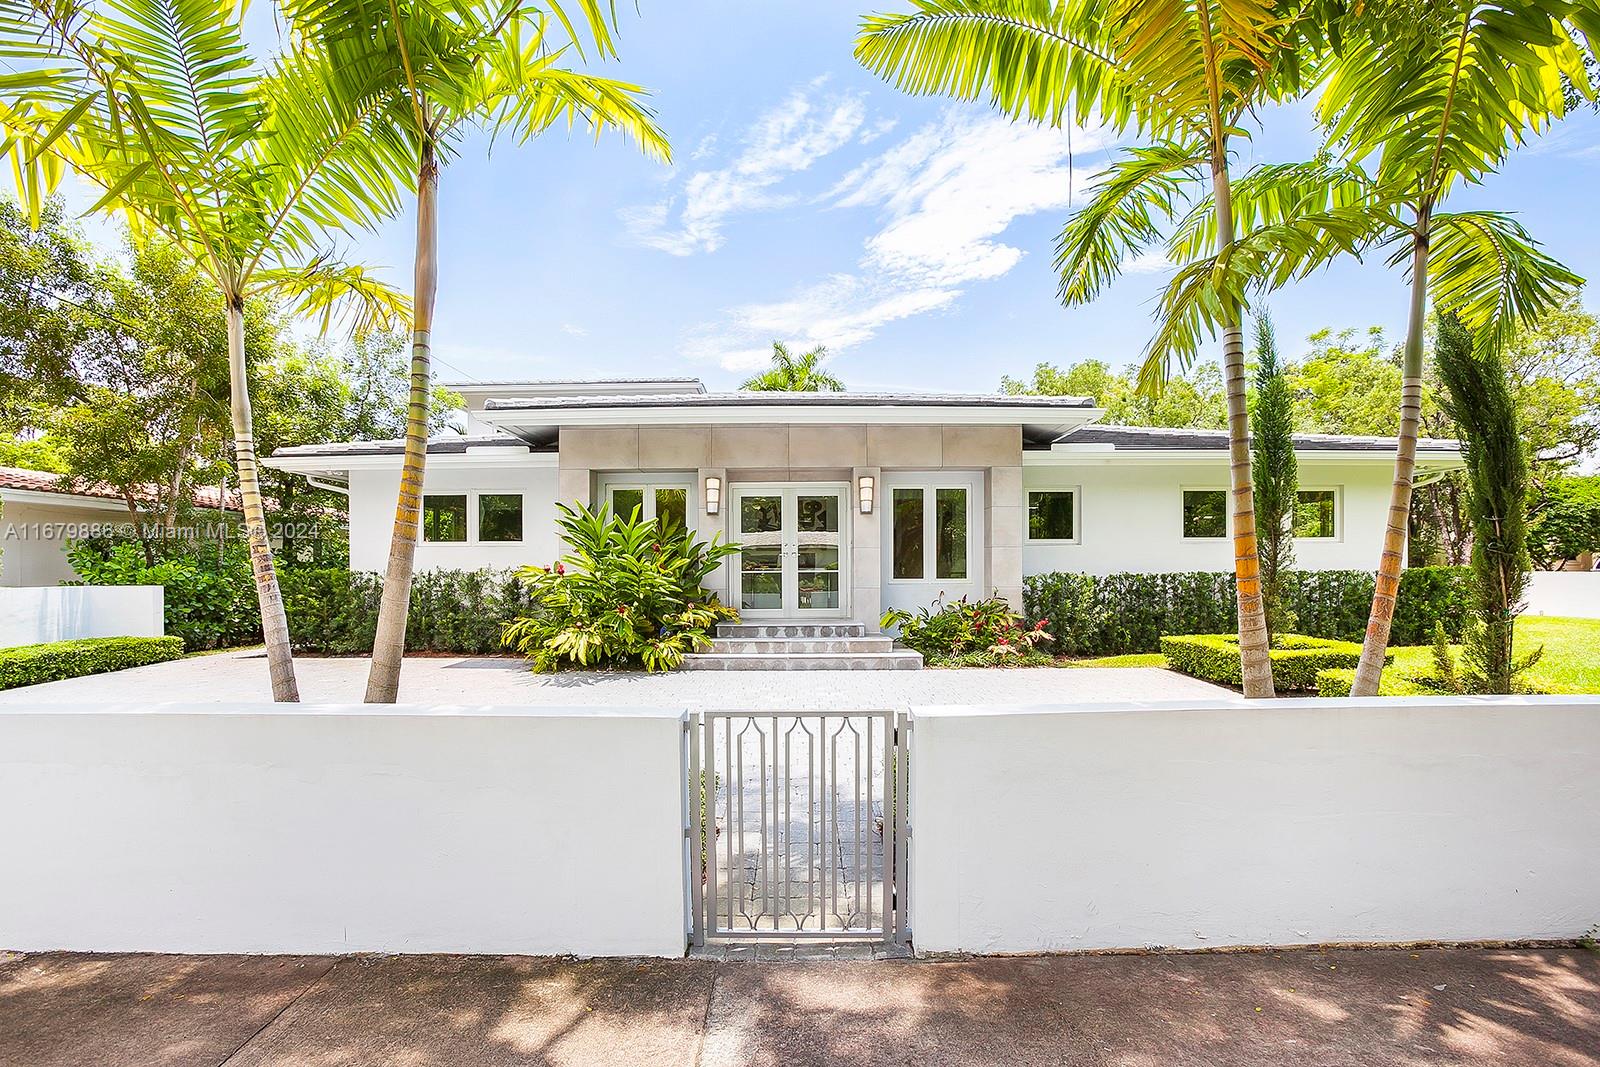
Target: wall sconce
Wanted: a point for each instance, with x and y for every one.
(713, 494)
(867, 488)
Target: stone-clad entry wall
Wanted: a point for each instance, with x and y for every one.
(823, 452)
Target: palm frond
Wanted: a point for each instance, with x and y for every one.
(331, 291)
(1488, 271)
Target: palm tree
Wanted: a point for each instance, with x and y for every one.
(157, 104)
(791, 374)
(1182, 72)
(1438, 104)
(446, 68)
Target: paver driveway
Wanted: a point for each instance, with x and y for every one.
(242, 676)
(1361, 1008)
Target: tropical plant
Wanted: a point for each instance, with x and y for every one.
(627, 593)
(1480, 401)
(158, 106)
(1276, 475)
(794, 374)
(1186, 74)
(975, 633)
(443, 68)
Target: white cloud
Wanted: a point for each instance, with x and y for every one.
(572, 329)
(788, 139)
(945, 197)
(1147, 263)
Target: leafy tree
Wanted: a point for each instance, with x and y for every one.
(1565, 520)
(1191, 401)
(1276, 473)
(46, 281)
(158, 105)
(1186, 75)
(444, 67)
(794, 374)
(1481, 401)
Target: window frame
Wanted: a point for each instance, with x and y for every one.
(930, 534)
(1227, 515)
(649, 483)
(1338, 514)
(474, 530)
(467, 522)
(1076, 492)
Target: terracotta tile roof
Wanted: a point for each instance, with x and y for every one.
(32, 481)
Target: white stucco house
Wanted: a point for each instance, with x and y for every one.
(848, 503)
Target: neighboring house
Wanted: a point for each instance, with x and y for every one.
(848, 503)
(40, 517)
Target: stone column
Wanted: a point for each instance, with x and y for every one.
(1007, 518)
(866, 549)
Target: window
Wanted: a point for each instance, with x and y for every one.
(1205, 513)
(950, 533)
(667, 503)
(500, 517)
(908, 533)
(444, 517)
(1051, 515)
(1316, 513)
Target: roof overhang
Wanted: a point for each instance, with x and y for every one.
(63, 500)
(539, 422)
(337, 468)
(1431, 461)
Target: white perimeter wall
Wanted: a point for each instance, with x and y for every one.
(372, 499)
(264, 829)
(1295, 821)
(34, 538)
(1568, 594)
(34, 616)
(1130, 516)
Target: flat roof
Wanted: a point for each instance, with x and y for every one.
(1166, 439)
(754, 398)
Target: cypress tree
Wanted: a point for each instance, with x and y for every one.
(1276, 476)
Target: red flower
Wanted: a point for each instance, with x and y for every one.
(559, 569)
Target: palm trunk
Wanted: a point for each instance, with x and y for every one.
(389, 647)
(1386, 589)
(274, 623)
(1254, 645)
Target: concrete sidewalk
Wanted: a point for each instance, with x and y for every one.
(1515, 1008)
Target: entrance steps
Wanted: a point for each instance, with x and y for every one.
(785, 646)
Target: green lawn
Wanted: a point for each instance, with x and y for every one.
(1570, 664)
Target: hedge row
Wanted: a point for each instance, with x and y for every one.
(32, 664)
(1338, 681)
(335, 611)
(1123, 613)
(1297, 661)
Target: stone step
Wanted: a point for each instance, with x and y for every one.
(793, 645)
(775, 630)
(898, 660)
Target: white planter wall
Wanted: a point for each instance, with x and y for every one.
(354, 829)
(1290, 822)
(1565, 594)
(37, 615)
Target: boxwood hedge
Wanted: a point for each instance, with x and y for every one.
(1297, 660)
(1117, 614)
(32, 664)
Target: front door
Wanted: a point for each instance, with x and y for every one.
(794, 550)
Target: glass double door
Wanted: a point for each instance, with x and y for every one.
(794, 550)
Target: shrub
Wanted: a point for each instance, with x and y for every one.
(32, 664)
(1337, 682)
(1125, 613)
(980, 633)
(627, 594)
(210, 600)
(1296, 659)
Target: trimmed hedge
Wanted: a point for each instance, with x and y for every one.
(1123, 613)
(32, 664)
(1297, 660)
(1337, 682)
(335, 611)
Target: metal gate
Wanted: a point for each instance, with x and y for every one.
(798, 823)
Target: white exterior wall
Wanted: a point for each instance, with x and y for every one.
(34, 538)
(36, 616)
(1186, 825)
(1566, 594)
(325, 829)
(372, 498)
(1130, 516)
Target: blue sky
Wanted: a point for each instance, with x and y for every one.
(813, 203)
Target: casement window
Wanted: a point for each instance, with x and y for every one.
(665, 501)
(500, 516)
(1205, 513)
(1053, 515)
(930, 526)
(446, 517)
(1316, 514)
